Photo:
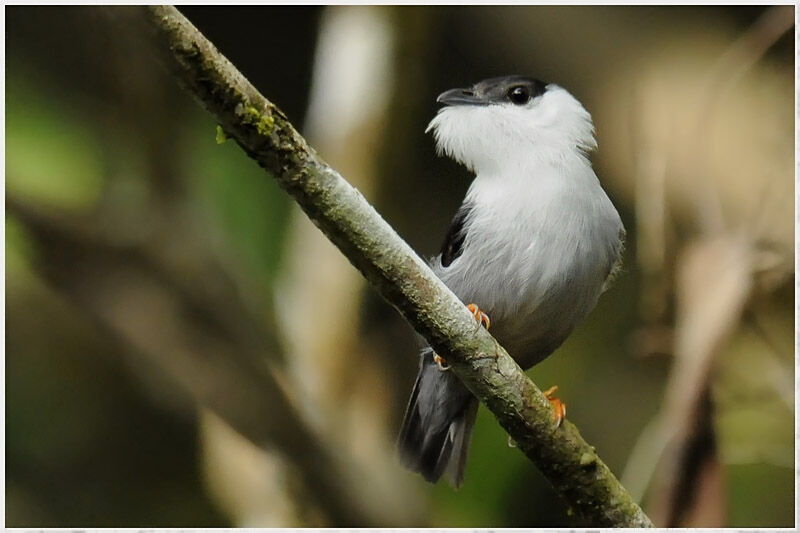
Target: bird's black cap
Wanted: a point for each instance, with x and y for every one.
(517, 90)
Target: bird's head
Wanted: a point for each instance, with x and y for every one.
(510, 121)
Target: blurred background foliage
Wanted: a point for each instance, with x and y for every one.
(145, 261)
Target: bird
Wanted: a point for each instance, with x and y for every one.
(533, 245)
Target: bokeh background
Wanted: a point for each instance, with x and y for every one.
(183, 348)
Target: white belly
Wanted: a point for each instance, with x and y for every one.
(536, 264)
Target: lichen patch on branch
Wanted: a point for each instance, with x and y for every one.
(263, 121)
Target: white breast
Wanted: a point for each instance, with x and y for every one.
(537, 252)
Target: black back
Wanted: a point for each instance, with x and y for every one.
(453, 244)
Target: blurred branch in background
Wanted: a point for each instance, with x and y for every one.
(148, 307)
(191, 316)
(354, 79)
(735, 253)
(341, 392)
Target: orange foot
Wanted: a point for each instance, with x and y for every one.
(440, 362)
(559, 407)
(480, 316)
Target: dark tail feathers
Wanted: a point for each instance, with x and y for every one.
(437, 428)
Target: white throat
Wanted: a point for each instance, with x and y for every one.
(499, 138)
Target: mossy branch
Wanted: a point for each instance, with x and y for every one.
(396, 272)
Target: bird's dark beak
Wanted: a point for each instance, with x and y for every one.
(459, 97)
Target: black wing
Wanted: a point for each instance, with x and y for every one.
(454, 240)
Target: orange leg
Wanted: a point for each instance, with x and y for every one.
(559, 407)
(440, 362)
(480, 316)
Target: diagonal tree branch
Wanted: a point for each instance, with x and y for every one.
(392, 268)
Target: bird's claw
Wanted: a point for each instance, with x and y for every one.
(440, 362)
(559, 407)
(481, 317)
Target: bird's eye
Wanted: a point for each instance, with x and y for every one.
(519, 95)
